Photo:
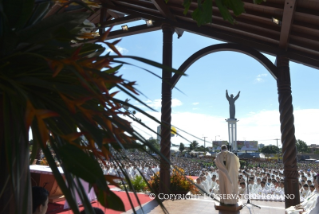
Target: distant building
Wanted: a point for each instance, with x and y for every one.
(261, 145)
(314, 147)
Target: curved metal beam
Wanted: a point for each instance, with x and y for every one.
(225, 47)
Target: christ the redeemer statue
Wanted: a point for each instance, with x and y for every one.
(231, 101)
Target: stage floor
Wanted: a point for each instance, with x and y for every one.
(206, 206)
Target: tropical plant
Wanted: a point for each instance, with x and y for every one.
(178, 182)
(44, 162)
(61, 87)
(138, 184)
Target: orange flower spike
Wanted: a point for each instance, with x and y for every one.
(91, 143)
(69, 103)
(109, 124)
(87, 35)
(29, 115)
(56, 66)
(103, 63)
(75, 55)
(106, 153)
(112, 46)
(113, 94)
(87, 63)
(80, 102)
(40, 114)
(78, 67)
(73, 136)
(104, 36)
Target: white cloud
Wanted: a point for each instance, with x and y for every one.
(262, 126)
(260, 77)
(176, 102)
(195, 103)
(120, 49)
(157, 103)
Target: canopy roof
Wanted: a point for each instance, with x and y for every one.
(296, 34)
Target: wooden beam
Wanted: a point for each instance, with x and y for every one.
(115, 14)
(122, 20)
(129, 11)
(133, 31)
(110, 12)
(287, 19)
(163, 8)
(222, 35)
(103, 17)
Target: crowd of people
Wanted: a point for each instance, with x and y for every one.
(144, 164)
(259, 183)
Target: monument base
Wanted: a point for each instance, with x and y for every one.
(231, 208)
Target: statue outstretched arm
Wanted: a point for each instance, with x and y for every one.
(227, 97)
(237, 96)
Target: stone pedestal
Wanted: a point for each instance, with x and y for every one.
(232, 133)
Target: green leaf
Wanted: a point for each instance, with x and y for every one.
(259, 1)
(236, 5)
(224, 11)
(203, 13)
(82, 165)
(48, 26)
(17, 12)
(110, 200)
(57, 175)
(186, 4)
(39, 12)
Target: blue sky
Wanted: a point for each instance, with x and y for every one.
(201, 108)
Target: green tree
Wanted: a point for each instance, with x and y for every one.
(154, 143)
(181, 147)
(269, 150)
(302, 147)
(201, 149)
(193, 145)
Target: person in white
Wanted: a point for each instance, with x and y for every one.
(205, 183)
(242, 190)
(256, 186)
(228, 165)
(214, 183)
(216, 188)
(306, 192)
(200, 185)
(310, 204)
(208, 180)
